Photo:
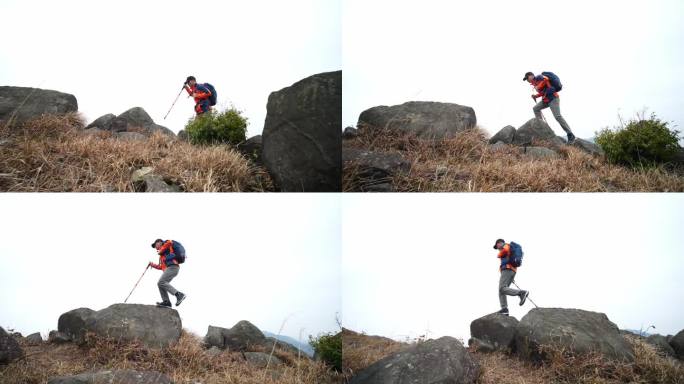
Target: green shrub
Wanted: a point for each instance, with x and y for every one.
(227, 127)
(641, 142)
(328, 347)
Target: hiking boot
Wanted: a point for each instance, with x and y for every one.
(523, 296)
(179, 298)
(503, 311)
(571, 138)
(164, 304)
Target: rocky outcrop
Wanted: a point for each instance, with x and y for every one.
(124, 376)
(240, 337)
(495, 330)
(505, 135)
(34, 339)
(539, 152)
(350, 133)
(574, 329)
(9, 348)
(374, 170)
(73, 323)
(533, 129)
(424, 119)
(153, 326)
(444, 360)
(135, 120)
(302, 141)
(252, 148)
(22, 104)
(677, 344)
(57, 337)
(261, 359)
(661, 344)
(588, 147)
(145, 180)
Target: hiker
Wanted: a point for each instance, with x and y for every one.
(201, 93)
(549, 94)
(508, 270)
(169, 263)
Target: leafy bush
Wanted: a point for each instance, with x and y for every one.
(329, 348)
(227, 127)
(641, 142)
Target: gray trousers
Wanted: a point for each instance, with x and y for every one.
(164, 282)
(507, 276)
(555, 109)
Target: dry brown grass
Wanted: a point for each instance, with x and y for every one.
(467, 163)
(185, 362)
(360, 351)
(52, 154)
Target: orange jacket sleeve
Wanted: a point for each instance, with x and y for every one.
(504, 252)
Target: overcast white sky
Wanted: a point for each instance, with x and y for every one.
(417, 262)
(260, 258)
(114, 55)
(612, 57)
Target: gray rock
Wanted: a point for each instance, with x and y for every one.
(505, 135)
(183, 136)
(135, 120)
(444, 360)
(575, 329)
(539, 152)
(137, 117)
(238, 338)
(350, 133)
(375, 169)
(497, 146)
(677, 344)
(94, 131)
(155, 327)
(9, 348)
(73, 323)
(302, 141)
(533, 129)
(496, 330)
(661, 344)
(124, 376)
(214, 351)
(145, 180)
(58, 337)
(424, 119)
(102, 122)
(589, 147)
(30, 103)
(252, 148)
(261, 359)
(34, 339)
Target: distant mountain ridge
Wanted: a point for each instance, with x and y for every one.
(304, 347)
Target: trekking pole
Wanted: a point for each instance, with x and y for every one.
(174, 102)
(136, 284)
(528, 298)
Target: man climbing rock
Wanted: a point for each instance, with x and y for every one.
(201, 93)
(508, 269)
(171, 255)
(544, 86)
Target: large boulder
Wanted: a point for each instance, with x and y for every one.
(30, 103)
(661, 344)
(252, 148)
(34, 339)
(444, 360)
(424, 119)
(240, 337)
(73, 323)
(505, 135)
(134, 120)
(57, 337)
(496, 330)
(155, 327)
(574, 329)
(123, 376)
(9, 348)
(302, 139)
(677, 344)
(534, 129)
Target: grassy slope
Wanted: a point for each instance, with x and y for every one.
(467, 163)
(185, 362)
(360, 351)
(52, 154)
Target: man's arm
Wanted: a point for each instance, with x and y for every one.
(155, 266)
(202, 92)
